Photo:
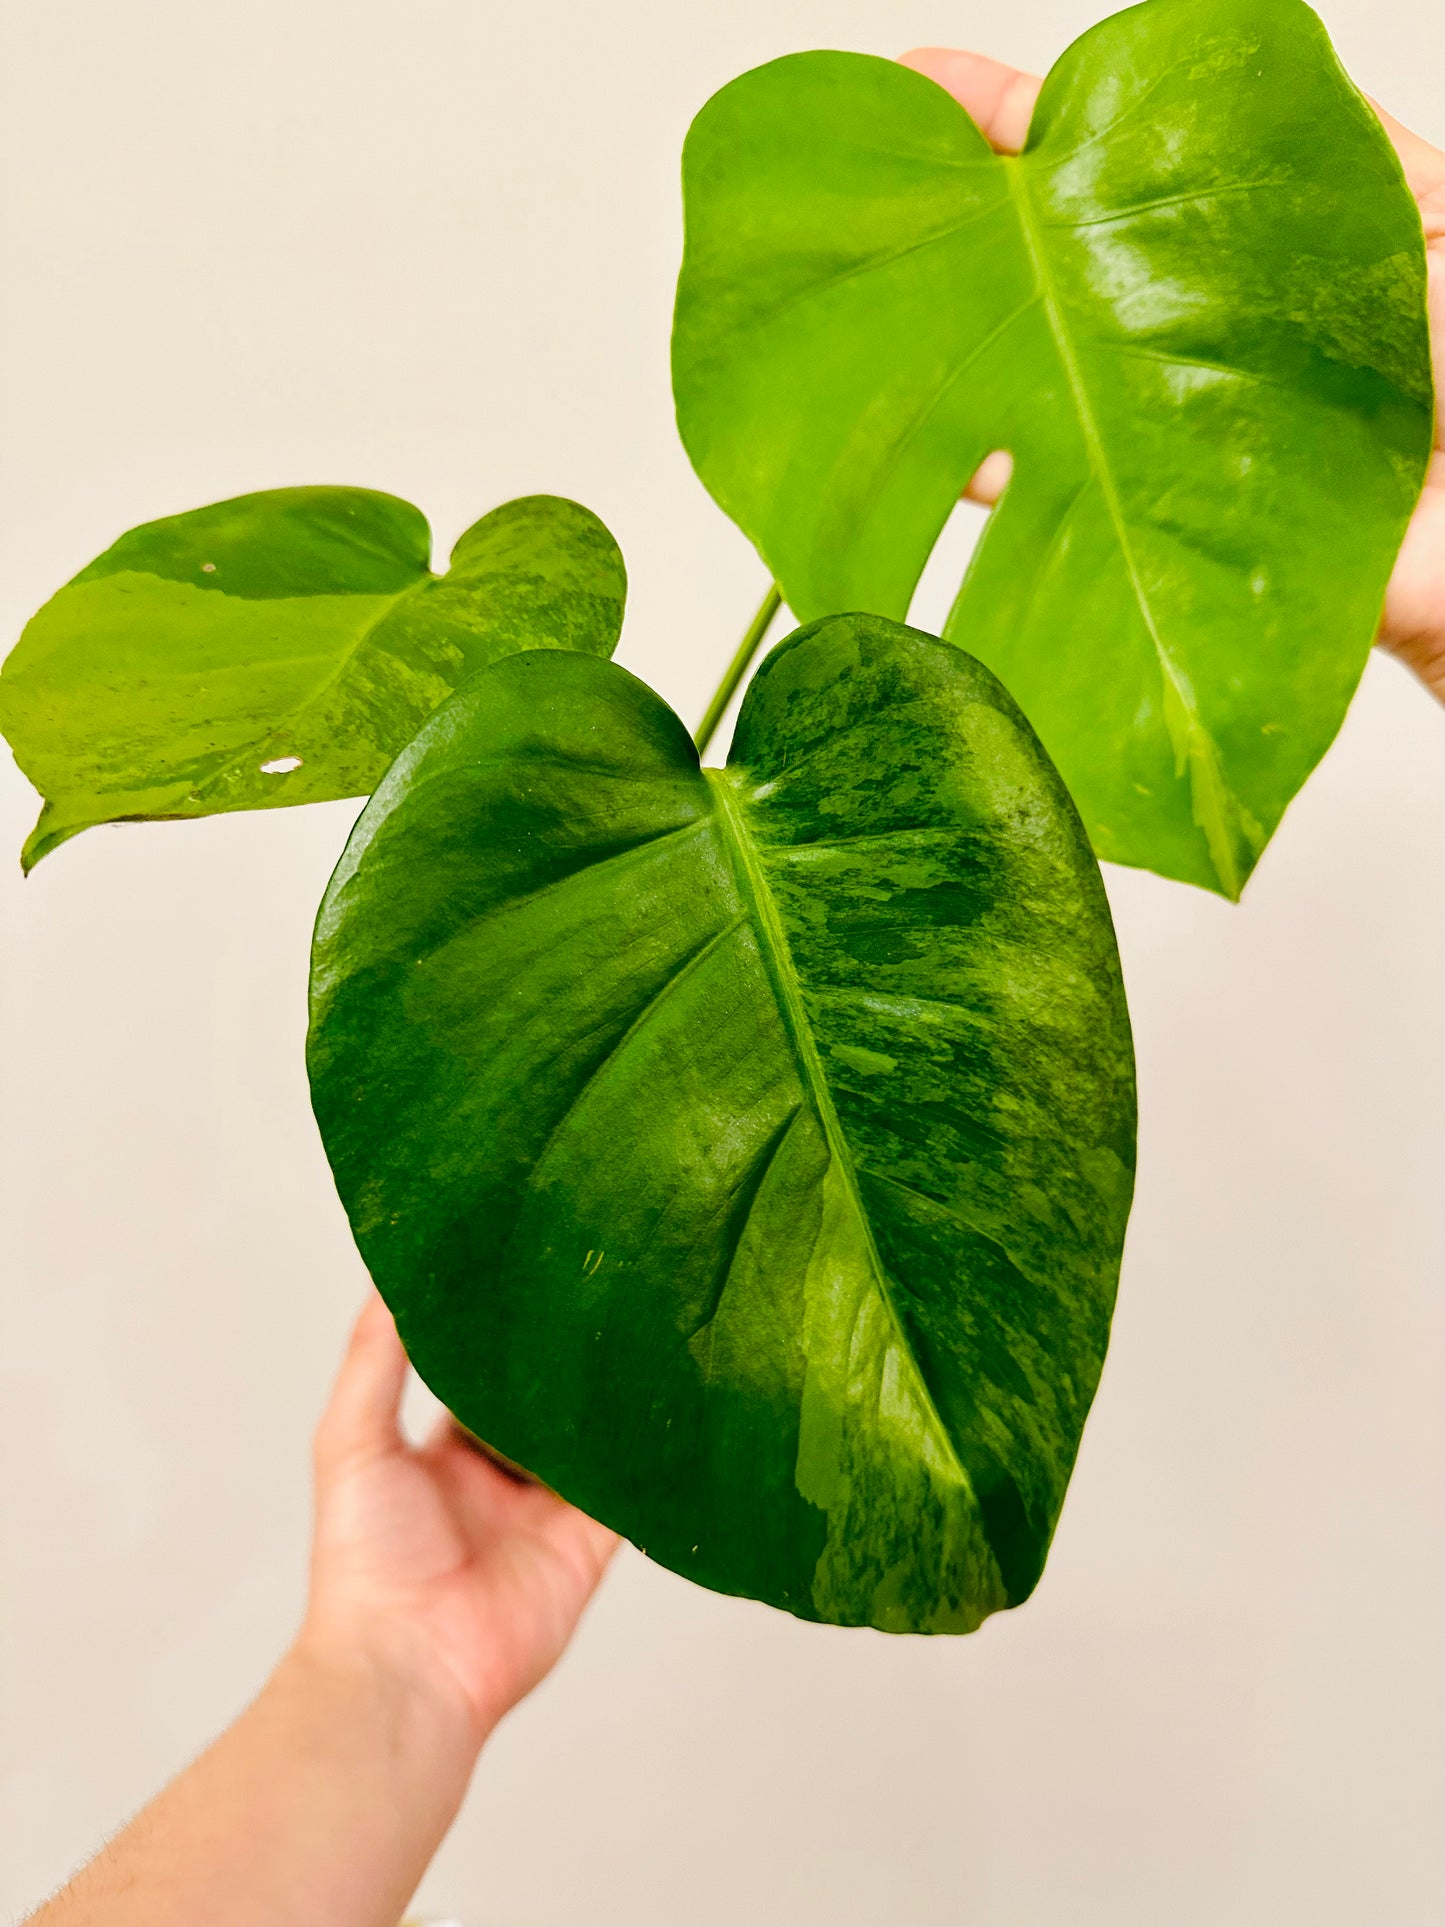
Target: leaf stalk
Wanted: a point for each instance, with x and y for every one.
(752, 641)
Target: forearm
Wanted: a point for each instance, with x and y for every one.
(324, 1802)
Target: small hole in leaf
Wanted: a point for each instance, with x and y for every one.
(280, 765)
(208, 568)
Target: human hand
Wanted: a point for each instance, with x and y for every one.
(1001, 100)
(442, 1589)
(431, 1562)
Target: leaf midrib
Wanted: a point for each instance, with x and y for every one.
(1218, 839)
(234, 758)
(778, 960)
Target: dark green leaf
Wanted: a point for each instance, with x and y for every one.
(746, 1152)
(1194, 309)
(281, 648)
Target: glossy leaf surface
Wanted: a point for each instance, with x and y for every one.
(281, 648)
(746, 1152)
(1193, 309)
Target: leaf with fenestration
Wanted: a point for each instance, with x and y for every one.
(746, 1152)
(281, 648)
(1193, 308)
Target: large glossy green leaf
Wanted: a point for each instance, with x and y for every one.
(281, 648)
(1193, 308)
(746, 1152)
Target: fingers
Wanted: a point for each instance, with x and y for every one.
(1424, 167)
(499, 1493)
(1001, 100)
(998, 98)
(595, 1543)
(449, 1431)
(361, 1417)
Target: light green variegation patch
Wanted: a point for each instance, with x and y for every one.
(281, 648)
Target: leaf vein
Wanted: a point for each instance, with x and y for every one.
(936, 399)
(1197, 197)
(1109, 127)
(957, 1217)
(870, 264)
(754, 1183)
(589, 870)
(1129, 351)
(234, 761)
(643, 1017)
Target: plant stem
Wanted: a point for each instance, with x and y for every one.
(739, 666)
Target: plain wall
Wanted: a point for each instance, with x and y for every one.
(430, 248)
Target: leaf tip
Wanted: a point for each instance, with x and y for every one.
(43, 839)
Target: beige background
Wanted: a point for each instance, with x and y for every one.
(430, 248)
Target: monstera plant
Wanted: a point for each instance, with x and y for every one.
(747, 1151)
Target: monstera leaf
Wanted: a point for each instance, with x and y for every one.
(746, 1152)
(1193, 308)
(281, 648)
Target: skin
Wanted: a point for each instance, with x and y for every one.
(1001, 100)
(443, 1588)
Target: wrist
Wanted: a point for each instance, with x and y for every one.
(372, 1689)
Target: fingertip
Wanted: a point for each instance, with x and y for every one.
(362, 1412)
(998, 98)
(1424, 166)
(374, 1322)
(991, 478)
